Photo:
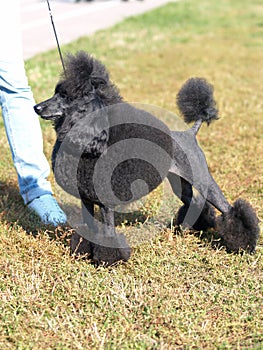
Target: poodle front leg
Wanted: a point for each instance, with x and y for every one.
(196, 212)
(87, 209)
(110, 247)
(78, 244)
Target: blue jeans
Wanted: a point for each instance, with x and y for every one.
(23, 130)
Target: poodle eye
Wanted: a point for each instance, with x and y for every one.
(63, 95)
(66, 97)
(61, 91)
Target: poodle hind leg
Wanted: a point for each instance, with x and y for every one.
(195, 213)
(109, 247)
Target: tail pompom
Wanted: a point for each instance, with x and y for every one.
(239, 227)
(196, 102)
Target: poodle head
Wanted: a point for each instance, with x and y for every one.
(85, 79)
(79, 103)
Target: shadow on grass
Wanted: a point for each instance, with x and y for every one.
(15, 213)
(208, 238)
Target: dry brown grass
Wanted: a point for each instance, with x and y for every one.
(177, 291)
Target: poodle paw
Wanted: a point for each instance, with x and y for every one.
(79, 245)
(115, 249)
(108, 252)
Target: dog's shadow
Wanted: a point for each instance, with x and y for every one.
(15, 213)
(205, 238)
(12, 209)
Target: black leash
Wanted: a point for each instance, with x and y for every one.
(54, 29)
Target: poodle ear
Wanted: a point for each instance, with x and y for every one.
(99, 134)
(89, 134)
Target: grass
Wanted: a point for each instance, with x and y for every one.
(177, 291)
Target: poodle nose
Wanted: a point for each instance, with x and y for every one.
(38, 109)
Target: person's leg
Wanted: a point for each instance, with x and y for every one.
(21, 123)
(23, 132)
(26, 143)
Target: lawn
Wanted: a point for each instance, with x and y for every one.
(178, 291)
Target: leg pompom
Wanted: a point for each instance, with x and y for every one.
(239, 227)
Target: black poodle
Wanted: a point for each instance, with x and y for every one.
(109, 152)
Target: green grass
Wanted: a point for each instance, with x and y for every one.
(177, 291)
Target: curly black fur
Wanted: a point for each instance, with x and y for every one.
(195, 101)
(84, 75)
(239, 227)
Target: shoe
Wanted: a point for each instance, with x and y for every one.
(47, 208)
